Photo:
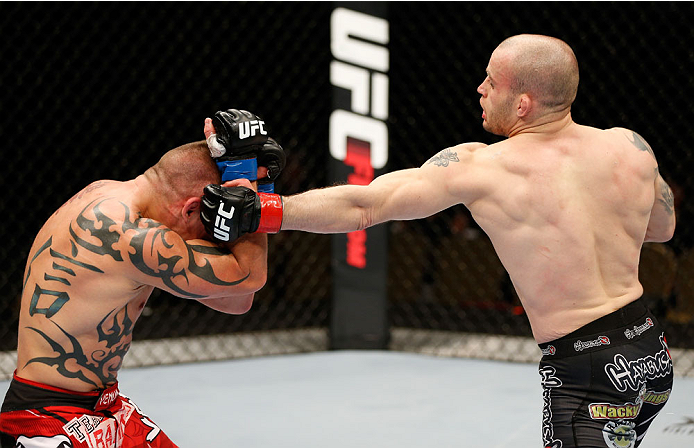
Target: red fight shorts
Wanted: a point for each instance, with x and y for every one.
(35, 415)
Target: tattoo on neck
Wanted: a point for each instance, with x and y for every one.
(444, 158)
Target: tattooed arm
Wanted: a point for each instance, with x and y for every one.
(251, 252)
(196, 269)
(661, 225)
(445, 180)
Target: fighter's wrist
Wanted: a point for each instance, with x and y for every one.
(238, 169)
(271, 212)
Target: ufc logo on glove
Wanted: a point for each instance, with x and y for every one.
(249, 128)
(221, 229)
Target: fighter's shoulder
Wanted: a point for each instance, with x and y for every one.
(469, 146)
(95, 190)
(458, 153)
(636, 140)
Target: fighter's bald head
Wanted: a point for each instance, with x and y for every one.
(543, 67)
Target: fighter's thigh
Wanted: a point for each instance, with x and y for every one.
(576, 411)
(139, 429)
(563, 392)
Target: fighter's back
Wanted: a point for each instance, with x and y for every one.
(77, 309)
(568, 213)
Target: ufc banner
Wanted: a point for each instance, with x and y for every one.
(359, 37)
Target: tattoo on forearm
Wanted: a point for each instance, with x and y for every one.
(667, 199)
(101, 366)
(444, 158)
(641, 144)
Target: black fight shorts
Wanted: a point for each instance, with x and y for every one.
(604, 383)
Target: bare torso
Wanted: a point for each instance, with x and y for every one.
(78, 308)
(567, 214)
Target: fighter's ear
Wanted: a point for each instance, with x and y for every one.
(191, 207)
(525, 105)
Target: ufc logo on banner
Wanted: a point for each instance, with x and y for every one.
(250, 128)
(221, 229)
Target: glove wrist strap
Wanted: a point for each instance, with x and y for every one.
(270, 213)
(238, 169)
(266, 187)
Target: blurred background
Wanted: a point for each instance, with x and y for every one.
(101, 90)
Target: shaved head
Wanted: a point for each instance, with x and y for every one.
(183, 172)
(543, 67)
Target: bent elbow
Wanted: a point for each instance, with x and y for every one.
(662, 235)
(259, 281)
(243, 305)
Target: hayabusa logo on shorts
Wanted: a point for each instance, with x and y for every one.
(580, 345)
(549, 350)
(632, 374)
(549, 381)
(638, 330)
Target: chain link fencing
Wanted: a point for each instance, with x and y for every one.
(102, 90)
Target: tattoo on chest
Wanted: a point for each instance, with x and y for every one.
(91, 233)
(444, 158)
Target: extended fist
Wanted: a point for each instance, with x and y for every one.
(229, 212)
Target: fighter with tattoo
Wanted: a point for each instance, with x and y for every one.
(567, 208)
(92, 268)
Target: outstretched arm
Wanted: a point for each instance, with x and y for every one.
(447, 179)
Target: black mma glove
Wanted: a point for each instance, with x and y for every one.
(241, 134)
(228, 213)
(272, 156)
(246, 146)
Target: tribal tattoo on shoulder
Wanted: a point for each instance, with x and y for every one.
(444, 157)
(148, 250)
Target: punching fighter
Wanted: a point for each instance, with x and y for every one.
(93, 266)
(567, 208)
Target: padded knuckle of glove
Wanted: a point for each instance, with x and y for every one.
(240, 132)
(227, 213)
(272, 156)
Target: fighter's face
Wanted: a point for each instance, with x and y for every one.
(497, 101)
